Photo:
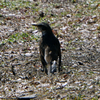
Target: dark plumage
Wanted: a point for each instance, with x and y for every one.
(49, 48)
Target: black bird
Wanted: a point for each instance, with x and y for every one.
(49, 48)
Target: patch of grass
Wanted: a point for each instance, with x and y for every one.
(25, 37)
(95, 98)
(98, 28)
(74, 1)
(73, 48)
(78, 15)
(13, 37)
(19, 37)
(34, 27)
(35, 37)
(15, 4)
(67, 48)
(70, 41)
(53, 24)
(64, 13)
(80, 97)
(91, 72)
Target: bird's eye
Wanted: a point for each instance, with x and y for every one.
(43, 28)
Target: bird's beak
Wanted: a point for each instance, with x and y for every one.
(34, 24)
(37, 25)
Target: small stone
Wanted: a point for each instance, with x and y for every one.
(75, 65)
(91, 87)
(68, 15)
(28, 54)
(41, 14)
(80, 63)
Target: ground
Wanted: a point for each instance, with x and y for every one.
(77, 26)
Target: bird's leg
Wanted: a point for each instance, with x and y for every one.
(49, 69)
(54, 66)
(59, 66)
(43, 64)
(45, 69)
